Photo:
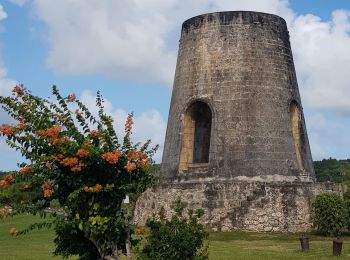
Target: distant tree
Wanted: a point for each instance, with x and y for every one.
(77, 161)
(332, 170)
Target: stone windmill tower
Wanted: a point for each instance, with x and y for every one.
(236, 142)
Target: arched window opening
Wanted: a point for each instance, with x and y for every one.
(295, 118)
(196, 135)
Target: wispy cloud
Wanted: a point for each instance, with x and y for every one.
(3, 14)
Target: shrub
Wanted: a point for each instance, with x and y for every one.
(346, 198)
(179, 238)
(75, 159)
(329, 213)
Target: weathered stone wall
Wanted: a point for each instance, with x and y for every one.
(243, 205)
(241, 65)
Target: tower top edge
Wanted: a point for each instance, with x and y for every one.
(228, 16)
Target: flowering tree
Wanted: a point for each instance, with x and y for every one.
(76, 160)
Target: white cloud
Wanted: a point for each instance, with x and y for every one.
(322, 56)
(147, 125)
(3, 14)
(6, 84)
(126, 39)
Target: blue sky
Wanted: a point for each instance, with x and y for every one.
(127, 49)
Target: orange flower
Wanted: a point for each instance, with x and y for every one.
(7, 129)
(135, 155)
(143, 164)
(6, 181)
(130, 167)
(48, 193)
(73, 163)
(82, 153)
(128, 124)
(57, 157)
(50, 134)
(3, 184)
(77, 168)
(70, 161)
(96, 188)
(112, 157)
(14, 231)
(62, 140)
(47, 190)
(86, 144)
(19, 90)
(71, 98)
(140, 230)
(25, 170)
(132, 155)
(94, 133)
(9, 178)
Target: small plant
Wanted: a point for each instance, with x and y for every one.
(181, 237)
(329, 213)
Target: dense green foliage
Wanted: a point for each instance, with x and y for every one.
(332, 170)
(329, 213)
(179, 238)
(69, 240)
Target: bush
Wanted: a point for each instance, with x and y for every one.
(329, 213)
(176, 239)
(75, 159)
(346, 198)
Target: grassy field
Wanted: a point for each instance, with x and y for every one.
(38, 245)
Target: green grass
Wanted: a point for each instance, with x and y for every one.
(38, 244)
(266, 246)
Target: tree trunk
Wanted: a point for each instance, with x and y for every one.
(113, 256)
(128, 246)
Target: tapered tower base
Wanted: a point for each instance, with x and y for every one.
(239, 204)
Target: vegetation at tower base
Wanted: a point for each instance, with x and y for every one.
(75, 161)
(179, 238)
(329, 213)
